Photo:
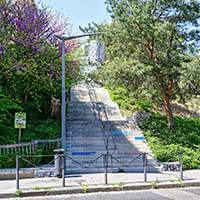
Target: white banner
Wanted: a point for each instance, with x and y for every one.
(96, 52)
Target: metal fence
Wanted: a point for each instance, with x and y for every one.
(29, 147)
(45, 171)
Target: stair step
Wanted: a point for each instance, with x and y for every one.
(110, 170)
(90, 124)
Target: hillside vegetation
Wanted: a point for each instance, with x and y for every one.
(30, 70)
(153, 62)
(166, 144)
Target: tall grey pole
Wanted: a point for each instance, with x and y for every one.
(17, 172)
(63, 103)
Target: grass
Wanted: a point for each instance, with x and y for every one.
(84, 187)
(154, 185)
(18, 193)
(119, 184)
(42, 188)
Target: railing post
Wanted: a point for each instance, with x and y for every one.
(145, 166)
(17, 172)
(63, 170)
(181, 164)
(106, 169)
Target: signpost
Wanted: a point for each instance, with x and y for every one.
(20, 122)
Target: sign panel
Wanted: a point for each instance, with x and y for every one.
(20, 120)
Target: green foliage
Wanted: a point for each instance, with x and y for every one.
(41, 129)
(18, 193)
(127, 101)
(7, 110)
(120, 95)
(145, 105)
(154, 184)
(166, 144)
(119, 185)
(9, 161)
(36, 129)
(147, 42)
(42, 188)
(30, 70)
(189, 80)
(84, 187)
(30, 79)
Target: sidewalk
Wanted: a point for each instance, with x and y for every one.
(95, 182)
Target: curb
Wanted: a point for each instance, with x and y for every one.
(103, 188)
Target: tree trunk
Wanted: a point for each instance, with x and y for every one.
(166, 93)
(168, 111)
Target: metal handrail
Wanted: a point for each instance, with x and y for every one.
(34, 165)
(75, 161)
(160, 162)
(124, 164)
(109, 130)
(97, 108)
(128, 163)
(88, 164)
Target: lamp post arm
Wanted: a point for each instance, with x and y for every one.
(78, 36)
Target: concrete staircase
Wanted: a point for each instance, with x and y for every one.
(95, 126)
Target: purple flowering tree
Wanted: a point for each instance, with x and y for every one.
(4, 25)
(30, 61)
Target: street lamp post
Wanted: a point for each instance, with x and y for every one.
(63, 102)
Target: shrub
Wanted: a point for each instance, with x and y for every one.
(166, 144)
(144, 104)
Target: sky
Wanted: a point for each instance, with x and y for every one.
(80, 12)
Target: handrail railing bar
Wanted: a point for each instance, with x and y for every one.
(75, 161)
(95, 159)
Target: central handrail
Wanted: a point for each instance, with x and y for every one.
(96, 107)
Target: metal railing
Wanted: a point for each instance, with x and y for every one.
(127, 164)
(99, 108)
(106, 164)
(35, 167)
(29, 147)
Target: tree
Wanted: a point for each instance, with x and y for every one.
(30, 58)
(189, 83)
(153, 38)
(30, 68)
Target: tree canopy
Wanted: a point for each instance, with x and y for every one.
(148, 42)
(30, 60)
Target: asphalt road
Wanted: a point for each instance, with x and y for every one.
(161, 194)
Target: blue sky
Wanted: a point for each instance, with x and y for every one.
(80, 12)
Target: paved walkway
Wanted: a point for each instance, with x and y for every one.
(114, 179)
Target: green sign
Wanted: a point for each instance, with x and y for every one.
(20, 120)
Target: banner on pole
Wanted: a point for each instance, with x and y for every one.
(96, 52)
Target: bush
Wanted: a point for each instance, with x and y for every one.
(145, 105)
(41, 130)
(121, 96)
(10, 161)
(166, 144)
